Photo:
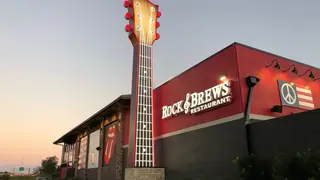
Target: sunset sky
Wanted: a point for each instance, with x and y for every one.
(63, 60)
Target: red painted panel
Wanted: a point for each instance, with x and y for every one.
(201, 77)
(266, 93)
(126, 127)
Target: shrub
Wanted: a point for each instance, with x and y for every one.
(6, 176)
(301, 166)
(249, 167)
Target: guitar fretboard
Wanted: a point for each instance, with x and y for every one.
(144, 144)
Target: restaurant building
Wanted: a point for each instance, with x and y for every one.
(199, 116)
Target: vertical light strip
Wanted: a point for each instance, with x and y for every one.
(144, 106)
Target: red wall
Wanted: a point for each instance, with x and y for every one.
(266, 93)
(201, 77)
(238, 61)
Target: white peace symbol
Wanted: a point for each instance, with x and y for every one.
(289, 98)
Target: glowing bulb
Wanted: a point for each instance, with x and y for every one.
(223, 78)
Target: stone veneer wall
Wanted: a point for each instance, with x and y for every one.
(145, 174)
(119, 149)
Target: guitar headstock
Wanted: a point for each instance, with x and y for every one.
(143, 24)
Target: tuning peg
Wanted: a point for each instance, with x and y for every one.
(157, 36)
(126, 4)
(158, 14)
(128, 16)
(128, 28)
(157, 24)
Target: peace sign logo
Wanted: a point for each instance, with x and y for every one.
(288, 93)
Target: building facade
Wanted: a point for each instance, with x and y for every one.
(198, 116)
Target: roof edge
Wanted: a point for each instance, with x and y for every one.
(206, 59)
(240, 44)
(121, 97)
(266, 52)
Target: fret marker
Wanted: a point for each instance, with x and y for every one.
(145, 91)
(145, 72)
(144, 149)
(144, 126)
(144, 108)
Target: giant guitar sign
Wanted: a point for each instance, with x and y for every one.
(142, 29)
(197, 102)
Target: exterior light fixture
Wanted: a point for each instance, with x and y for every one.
(294, 70)
(277, 65)
(252, 81)
(276, 108)
(223, 77)
(310, 74)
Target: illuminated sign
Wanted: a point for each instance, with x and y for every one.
(196, 102)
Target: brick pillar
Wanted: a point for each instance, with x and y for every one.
(101, 144)
(119, 147)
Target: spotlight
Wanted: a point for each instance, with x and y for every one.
(277, 65)
(310, 74)
(277, 109)
(252, 81)
(223, 77)
(294, 70)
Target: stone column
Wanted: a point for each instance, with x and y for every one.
(119, 146)
(101, 144)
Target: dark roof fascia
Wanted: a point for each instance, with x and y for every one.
(240, 44)
(206, 59)
(128, 95)
(115, 102)
(282, 57)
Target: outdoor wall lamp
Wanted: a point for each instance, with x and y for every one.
(277, 65)
(276, 109)
(252, 81)
(310, 74)
(223, 77)
(294, 70)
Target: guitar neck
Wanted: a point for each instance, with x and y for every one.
(144, 136)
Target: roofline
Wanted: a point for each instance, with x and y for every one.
(127, 96)
(240, 44)
(195, 65)
(122, 97)
(263, 51)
